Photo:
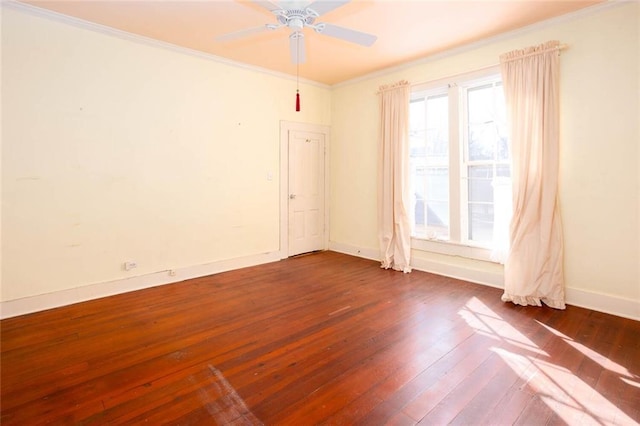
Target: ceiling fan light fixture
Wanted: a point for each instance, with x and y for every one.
(296, 24)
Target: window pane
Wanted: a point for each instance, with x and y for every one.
(481, 131)
(503, 146)
(487, 129)
(481, 222)
(480, 184)
(501, 123)
(416, 123)
(487, 157)
(429, 161)
(431, 211)
(438, 129)
(438, 183)
(503, 170)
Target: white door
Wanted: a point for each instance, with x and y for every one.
(306, 192)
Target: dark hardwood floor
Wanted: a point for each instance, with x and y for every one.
(319, 339)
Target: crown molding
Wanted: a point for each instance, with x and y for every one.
(103, 29)
(591, 10)
(147, 41)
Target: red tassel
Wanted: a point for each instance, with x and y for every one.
(297, 101)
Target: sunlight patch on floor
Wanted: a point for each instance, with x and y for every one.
(631, 382)
(591, 354)
(486, 322)
(573, 400)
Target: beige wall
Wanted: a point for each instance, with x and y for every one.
(599, 194)
(116, 151)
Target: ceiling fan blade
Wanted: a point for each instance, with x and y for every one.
(322, 7)
(293, 4)
(346, 34)
(238, 34)
(296, 47)
(267, 5)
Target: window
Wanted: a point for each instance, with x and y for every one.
(429, 164)
(459, 161)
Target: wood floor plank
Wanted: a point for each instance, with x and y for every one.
(319, 339)
(454, 367)
(488, 398)
(416, 357)
(444, 381)
(353, 383)
(537, 412)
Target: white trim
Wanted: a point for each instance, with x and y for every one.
(466, 78)
(471, 275)
(452, 248)
(41, 302)
(439, 268)
(147, 41)
(77, 22)
(487, 41)
(614, 305)
(623, 307)
(285, 128)
(365, 253)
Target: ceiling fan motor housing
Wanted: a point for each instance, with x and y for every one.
(299, 17)
(296, 19)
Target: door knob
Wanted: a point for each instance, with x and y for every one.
(292, 196)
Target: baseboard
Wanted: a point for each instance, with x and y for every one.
(621, 307)
(626, 308)
(477, 276)
(12, 308)
(439, 268)
(364, 253)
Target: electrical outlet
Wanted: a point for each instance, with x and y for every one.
(129, 265)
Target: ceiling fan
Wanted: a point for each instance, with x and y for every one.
(296, 16)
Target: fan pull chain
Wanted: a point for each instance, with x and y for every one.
(298, 73)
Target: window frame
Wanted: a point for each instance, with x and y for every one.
(456, 87)
(434, 93)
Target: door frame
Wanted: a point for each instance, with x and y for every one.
(285, 128)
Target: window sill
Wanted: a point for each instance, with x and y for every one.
(452, 249)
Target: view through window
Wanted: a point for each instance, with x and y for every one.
(460, 161)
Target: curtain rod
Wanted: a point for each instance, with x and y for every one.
(387, 87)
(496, 65)
(537, 52)
(384, 88)
(453, 76)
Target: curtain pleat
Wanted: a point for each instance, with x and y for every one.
(534, 267)
(394, 231)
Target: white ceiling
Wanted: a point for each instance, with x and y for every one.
(406, 30)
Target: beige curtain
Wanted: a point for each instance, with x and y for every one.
(534, 266)
(394, 227)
